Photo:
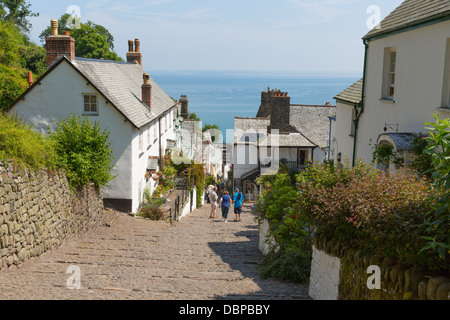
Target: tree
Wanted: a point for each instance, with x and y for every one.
(91, 40)
(17, 56)
(17, 12)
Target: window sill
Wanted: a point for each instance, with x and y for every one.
(444, 109)
(90, 114)
(387, 100)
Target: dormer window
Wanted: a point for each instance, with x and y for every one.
(90, 105)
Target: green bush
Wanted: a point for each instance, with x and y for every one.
(291, 259)
(24, 146)
(151, 211)
(289, 264)
(438, 221)
(84, 151)
(372, 211)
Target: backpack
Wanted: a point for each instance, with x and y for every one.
(239, 197)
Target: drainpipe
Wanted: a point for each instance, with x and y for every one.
(329, 141)
(362, 103)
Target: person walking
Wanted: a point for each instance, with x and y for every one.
(225, 203)
(238, 201)
(213, 201)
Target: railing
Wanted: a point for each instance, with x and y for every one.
(289, 164)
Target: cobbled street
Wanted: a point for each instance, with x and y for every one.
(128, 258)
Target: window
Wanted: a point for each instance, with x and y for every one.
(141, 141)
(390, 62)
(90, 104)
(149, 135)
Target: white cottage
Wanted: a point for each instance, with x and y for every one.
(292, 134)
(406, 80)
(121, 96)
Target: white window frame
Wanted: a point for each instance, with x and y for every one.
(90, 104)
(389, 73)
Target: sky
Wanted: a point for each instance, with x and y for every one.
(282, 36)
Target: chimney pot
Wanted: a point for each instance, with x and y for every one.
(137, 45)
(134, 56)
(66, 33)
(130, 46)
(54, 24)
(30, 78)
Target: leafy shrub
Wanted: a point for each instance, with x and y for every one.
(422, 162)
(438, 224)
(372, 211)
(151, 211)
(290, 264)
(24, 146)
(278, 203)
(84, 151)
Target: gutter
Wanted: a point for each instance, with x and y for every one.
(362, 103)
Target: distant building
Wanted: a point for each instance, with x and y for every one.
(138, 113)
(286, 133)
(406, 81)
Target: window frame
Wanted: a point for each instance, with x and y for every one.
(389, 74)
(90, 104)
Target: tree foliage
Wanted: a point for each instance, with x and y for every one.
(91, 40)
(17, 56)
(84, 151)
(17, 12)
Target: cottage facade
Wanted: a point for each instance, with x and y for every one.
(121, 96)
(282, 133)
(406, 81)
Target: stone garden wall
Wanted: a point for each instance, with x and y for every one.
(397, 282)
(38, 211)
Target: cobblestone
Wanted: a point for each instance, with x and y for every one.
(131, 259)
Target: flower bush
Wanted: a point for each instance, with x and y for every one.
(370, 210)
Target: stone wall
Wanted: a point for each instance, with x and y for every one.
(397, 282)
(38, 211)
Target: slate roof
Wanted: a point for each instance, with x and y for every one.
(352, 94)
(313, 122)
(287, 140)
(121, 83)
(411, 13)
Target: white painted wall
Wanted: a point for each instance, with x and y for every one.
(343, 141)
(325, 276)
(421, 61)
(53, 100)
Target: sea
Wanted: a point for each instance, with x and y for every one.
(218, 97)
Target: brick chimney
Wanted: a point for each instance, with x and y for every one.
(184, 107)
(280, 111)
(147, 91)
(134, 55)
(59, 45)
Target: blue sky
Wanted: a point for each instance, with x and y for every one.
(291, 36)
